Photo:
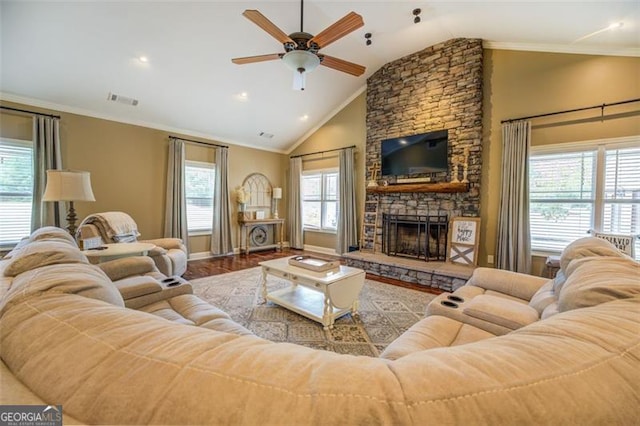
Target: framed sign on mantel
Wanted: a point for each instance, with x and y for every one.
(464, 239)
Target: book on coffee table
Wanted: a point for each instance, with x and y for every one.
(314, 263)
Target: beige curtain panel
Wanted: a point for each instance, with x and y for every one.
(46, 156)
(514, 237)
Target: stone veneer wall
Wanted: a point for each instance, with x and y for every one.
(437, 88)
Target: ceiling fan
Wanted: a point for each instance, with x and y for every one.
(301, 49)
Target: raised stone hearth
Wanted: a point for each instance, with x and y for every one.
(438, 275)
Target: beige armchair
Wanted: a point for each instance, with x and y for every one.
(169, 255)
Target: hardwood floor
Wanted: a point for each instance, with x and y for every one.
(222, 265)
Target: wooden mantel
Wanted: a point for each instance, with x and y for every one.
(421, 187)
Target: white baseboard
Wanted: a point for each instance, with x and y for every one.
(207, 255)
(318, 249)
(200, 256)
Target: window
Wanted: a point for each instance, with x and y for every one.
(16, 190)
(199, 184)
(575, 188)
(320, 200)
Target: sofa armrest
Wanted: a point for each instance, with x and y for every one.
(167, 243)
(137, 286)
(157, 251)
(514, 284)
(500, 311)
(118, 269)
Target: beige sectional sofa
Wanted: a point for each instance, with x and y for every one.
(67, 338)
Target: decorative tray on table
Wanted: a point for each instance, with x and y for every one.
(314, 263)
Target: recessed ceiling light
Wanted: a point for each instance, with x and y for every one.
(143, 59)
(242, 96)
(304, 117)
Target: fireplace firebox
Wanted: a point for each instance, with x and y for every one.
(415, 236)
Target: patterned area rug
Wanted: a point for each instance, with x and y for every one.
(386, 311)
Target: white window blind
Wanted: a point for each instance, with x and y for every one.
(561, 198)
(16, 190)
(199, 187)
(621, 198)
(320, 200)
(590, 187)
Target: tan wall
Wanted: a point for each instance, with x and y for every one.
(346, 128)
(128, 166)
(519, 84)
(127, 162)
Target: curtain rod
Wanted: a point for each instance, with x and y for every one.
(602, 107)
(29, 112)
(198, 142)
(322, 152)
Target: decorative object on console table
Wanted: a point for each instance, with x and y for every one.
(242, 197)
(68, 185)
(277, 195)
(464, 239)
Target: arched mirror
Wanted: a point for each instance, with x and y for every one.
(260, 190)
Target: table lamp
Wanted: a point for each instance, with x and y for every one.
(68, 185)
(277, 194)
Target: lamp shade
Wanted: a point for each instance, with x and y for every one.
(68, 185)
(301, 60)
(277, 193)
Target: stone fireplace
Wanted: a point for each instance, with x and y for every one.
(438, 88)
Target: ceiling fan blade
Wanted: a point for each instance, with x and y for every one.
(259, 58)
(342, 65)
(351, 22)
(260, 20)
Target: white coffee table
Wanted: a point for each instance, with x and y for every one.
(114, 251)
(319, 296)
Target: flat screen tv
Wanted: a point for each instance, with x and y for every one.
(410, 155)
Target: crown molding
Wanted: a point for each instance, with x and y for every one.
(562, 48)
(89, 113)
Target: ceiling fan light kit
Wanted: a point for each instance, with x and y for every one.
(301, 62)
(302, 48)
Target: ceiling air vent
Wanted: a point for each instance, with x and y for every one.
(122, 99)
(265, 135)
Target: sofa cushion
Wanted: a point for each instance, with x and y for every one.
(191, 310)
(587, 247)
(433, 332)
(508, 283)
(82, 279)
(543, 297)
(118, 269)
(52, 232)
(43, 253)
(137, 286)
(596, 280)
(497, 310)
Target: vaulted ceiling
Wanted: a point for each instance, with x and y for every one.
(70, 56)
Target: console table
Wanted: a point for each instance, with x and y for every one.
(247, 224)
